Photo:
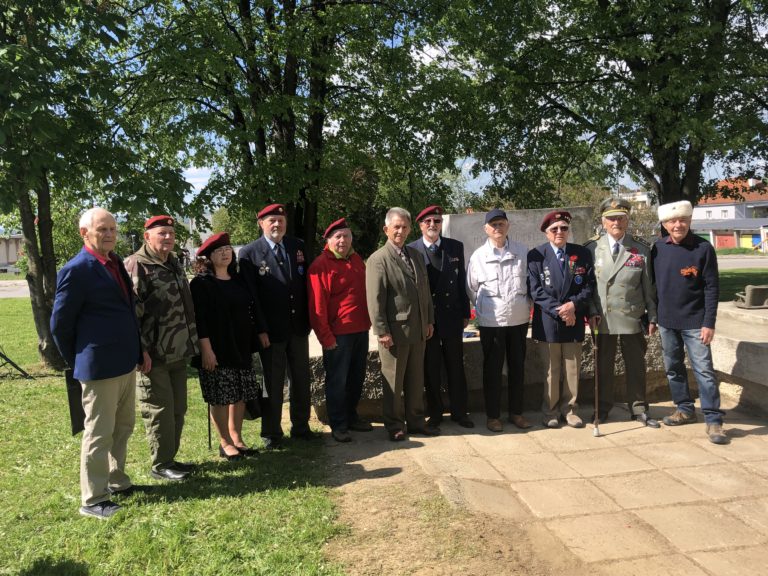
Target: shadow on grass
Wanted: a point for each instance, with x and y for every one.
(54, 567)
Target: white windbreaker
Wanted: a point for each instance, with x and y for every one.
(497, 285)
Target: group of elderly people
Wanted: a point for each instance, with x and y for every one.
(113, 318)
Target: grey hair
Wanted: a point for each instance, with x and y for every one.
(396, 211)
(86, 220)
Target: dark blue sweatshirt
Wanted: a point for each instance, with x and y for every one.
(687, 282)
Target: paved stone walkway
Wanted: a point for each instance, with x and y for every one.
(633, 501)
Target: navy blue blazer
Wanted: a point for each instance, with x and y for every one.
(448, 286)
(550, 288)
(283, 300)
(93, 324)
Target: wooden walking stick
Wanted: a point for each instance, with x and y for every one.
(594, 333)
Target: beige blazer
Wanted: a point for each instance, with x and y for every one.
(398, 303)
(625, 289)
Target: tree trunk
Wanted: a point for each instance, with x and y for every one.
(41, 275)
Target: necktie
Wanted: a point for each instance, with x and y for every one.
(433, 248)
(281, 260)
(616, 247)
(561, 259)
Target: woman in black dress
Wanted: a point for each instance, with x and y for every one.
(228, 320)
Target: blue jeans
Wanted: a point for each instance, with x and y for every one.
(700, 356)
(344, 376)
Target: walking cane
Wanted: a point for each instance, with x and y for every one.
(594, 332)
(209, 426)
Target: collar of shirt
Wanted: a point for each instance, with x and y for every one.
(555, 249)
(427, 243)
(273, 244)
(687, 241)
(99, 257)
(339, 256)
(611, 241)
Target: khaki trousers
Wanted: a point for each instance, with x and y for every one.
(562, 355)
(163, 404)
(403, 371)
(110, 412)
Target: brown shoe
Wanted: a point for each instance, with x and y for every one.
(716, 434)
(519, 421)
(494, 425)
(679, 418)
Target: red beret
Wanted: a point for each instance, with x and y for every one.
(155, 221)
(215, 241)
(433, 210)
(555, 216)
(272, 210)
(338, 225)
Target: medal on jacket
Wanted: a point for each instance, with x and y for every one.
(547, 279)
(263, 269)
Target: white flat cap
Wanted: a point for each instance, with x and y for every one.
(681, 209)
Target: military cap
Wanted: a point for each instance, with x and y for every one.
(155, 221)
(340, 224)
(272, 210)
(433, 210)
(555, 216)
(494, 214)
(215, 241)
(615, 207)
(681, 209)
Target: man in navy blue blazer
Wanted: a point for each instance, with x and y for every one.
(275, 268)
(561, 281)
(95, 328)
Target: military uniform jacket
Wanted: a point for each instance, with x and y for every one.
(164, 306)
(625, 290)
(447, 285)
(551, 288)
(283, 298)
(399, 299)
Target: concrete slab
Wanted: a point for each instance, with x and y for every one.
(752, 512)
(646, 489)
(722, 481)
(676, 454)
(739, 450)
(526, 467)
(632, 434)
(604, 462)
(608, 537)
(461, 466)
(552, 498)
(742, 562)
(504, 444)
(568, 439)
(484, 498)
(668, 565)
(699, 527)
(450, 443)
(759, 467)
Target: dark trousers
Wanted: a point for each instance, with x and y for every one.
(344, 376)
(291, 357)
(498, 342)
(449, 352)
(633, 347)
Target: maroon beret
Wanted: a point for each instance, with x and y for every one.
(155, 221)
(215, 241)
(272, 210)
(555, 216)
(433, 210)
(338, 225)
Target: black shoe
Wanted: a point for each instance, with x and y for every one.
(132, 489)
(187, 467)
(169, 473)
(434, 421)
(464, 422)
(230, 457)
(426, 431)
(360, 425)
(306, 435)
(100, 510)
(645, 419)
(245, 451)
(341, 436)
(272, 443)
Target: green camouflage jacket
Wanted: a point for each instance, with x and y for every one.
(164, 306)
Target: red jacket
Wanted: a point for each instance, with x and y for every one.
(336, 294)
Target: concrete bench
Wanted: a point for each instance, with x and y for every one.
(753, 297)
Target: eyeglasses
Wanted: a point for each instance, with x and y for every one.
(558, 229)
(432, 220)
(221, 250)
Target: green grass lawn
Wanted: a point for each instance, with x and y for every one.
(266, 515)
(9, 276)
(732, 281)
